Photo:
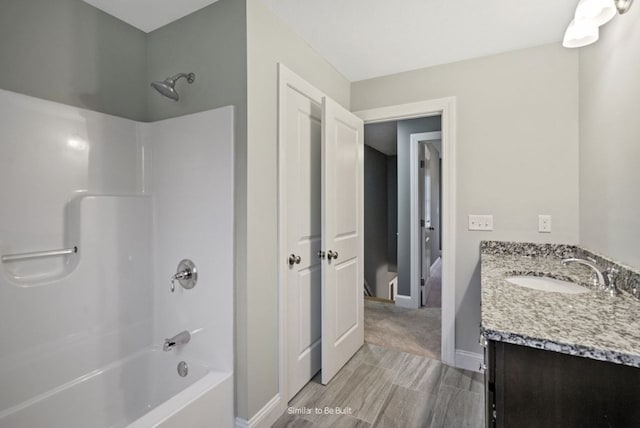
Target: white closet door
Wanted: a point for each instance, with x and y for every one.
(303, 212)
(342, 237)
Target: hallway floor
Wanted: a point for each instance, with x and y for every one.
(416, 331)
(382, 387)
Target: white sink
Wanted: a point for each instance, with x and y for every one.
(544, 283)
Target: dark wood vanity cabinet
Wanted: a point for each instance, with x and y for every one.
(528, 387)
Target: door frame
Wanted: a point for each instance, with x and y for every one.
(414, 216)
(446, 107)
(286, 79)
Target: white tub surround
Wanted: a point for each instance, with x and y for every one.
(86, 329)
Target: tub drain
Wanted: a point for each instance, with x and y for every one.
(183, 369)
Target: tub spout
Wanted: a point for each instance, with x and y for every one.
(179, 339)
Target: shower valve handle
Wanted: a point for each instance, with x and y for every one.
(186, 275)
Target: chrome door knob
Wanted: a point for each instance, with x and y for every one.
(294, 260)
(332, 255)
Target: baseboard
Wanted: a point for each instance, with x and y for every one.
(469, 360)
(405, 302)
(265, 417)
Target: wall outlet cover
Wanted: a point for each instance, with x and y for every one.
(482, 222)
(544, 223)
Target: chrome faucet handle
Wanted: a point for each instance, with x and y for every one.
(612, 274)
(186, 275)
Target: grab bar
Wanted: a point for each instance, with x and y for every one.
(38, 254)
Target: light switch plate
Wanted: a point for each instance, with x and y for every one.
(544, 223)
(480, 222)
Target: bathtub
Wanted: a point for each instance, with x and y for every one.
(142, 391)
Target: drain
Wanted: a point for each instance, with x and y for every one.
(183, 369)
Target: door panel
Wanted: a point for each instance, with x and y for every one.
(303, 233)
(342, 233)
(424, 199)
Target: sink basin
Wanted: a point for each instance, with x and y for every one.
(544, 283)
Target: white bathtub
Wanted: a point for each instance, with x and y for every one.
(141, 391)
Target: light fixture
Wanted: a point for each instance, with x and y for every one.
(580, 34)
(623, 6)
(591, 14)
(595, 12)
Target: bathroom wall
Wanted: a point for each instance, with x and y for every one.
(610, 141)
(517, 154)
(69, 177)
(70, 52)
(405, 129)
(269, 41)
(210, 42)
(376, 264)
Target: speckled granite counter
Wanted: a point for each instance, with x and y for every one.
(592, 325)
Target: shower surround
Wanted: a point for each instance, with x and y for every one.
(85, 330)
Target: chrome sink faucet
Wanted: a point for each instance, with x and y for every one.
(179, 339)
(603, 279)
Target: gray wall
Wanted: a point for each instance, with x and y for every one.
(610, 141)
(376, 264)
(269, 41)
(405, 129)
(211, 43)
(72, 53)
(392, 213)
(517, 151)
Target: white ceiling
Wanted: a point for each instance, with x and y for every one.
(370, 38)
(148, 15)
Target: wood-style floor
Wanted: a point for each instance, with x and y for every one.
(381, 387)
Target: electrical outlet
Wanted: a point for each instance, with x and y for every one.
(544, 223)
(480, 222)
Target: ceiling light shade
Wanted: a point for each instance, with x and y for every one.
(580, 34)
(623, 6)
(596, 12)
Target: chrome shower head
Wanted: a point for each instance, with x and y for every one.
(168, 86)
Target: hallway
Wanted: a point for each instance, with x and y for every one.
(381, 387)
(415, 331)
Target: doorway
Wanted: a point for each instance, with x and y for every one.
(397, 196)
(412, 298)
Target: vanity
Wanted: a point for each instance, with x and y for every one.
(560, 351)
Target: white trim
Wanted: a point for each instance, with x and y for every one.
(265, 417)
(404, 301)
(414, 211)
(447, 108)
(469, 360)
(286, 79)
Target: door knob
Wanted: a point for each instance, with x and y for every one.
(294, 260)
(332, 255)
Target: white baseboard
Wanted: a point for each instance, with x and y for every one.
(405, 301)
(469, 360)
(265, 417)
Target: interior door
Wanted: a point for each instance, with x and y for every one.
(303, 228)
(424, 189)
(342, 237)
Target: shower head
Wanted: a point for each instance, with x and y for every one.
(168, 86)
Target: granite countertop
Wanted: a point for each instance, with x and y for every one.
(593, 325)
